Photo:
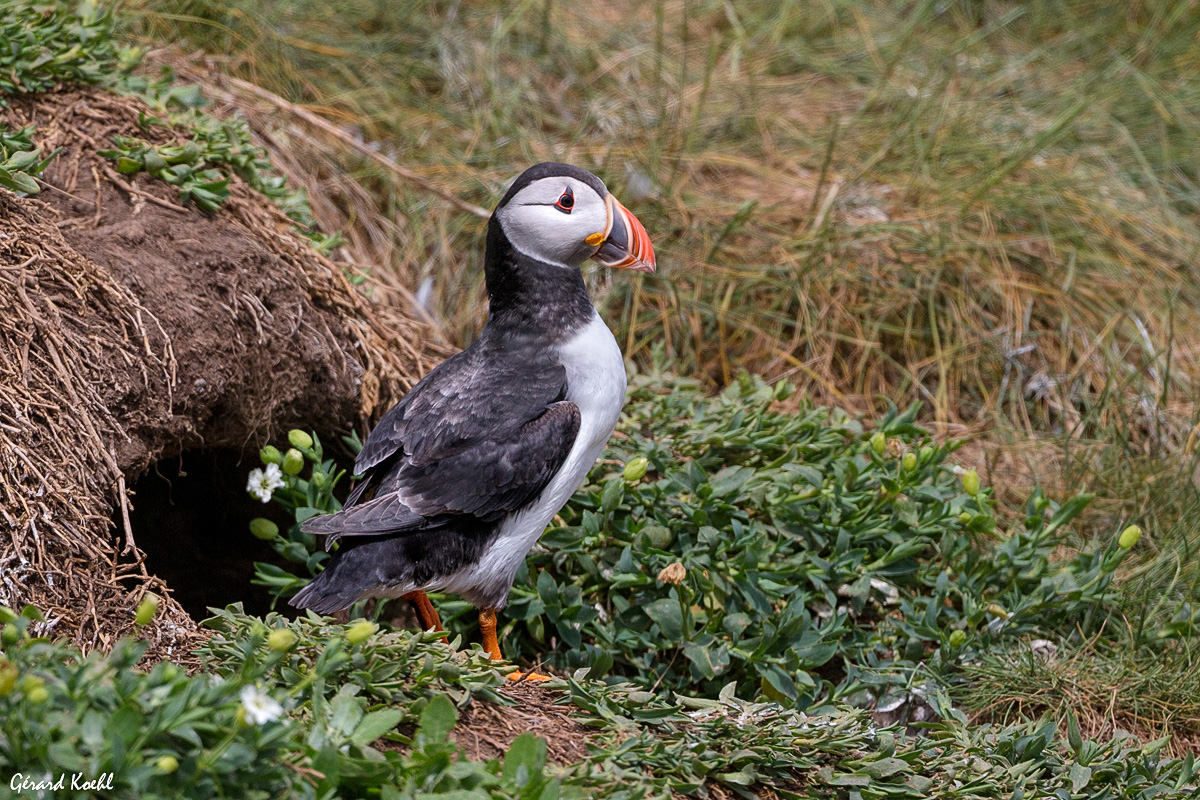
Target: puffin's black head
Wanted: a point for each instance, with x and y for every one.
(564, 215)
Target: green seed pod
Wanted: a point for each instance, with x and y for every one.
(270, 455)
(926, 453)
(636, 468)
(660, 536)
(263, 529)
(10, 635)
(293, 462)
(281, 639)
(360, 631)
(300, 439)
(965, 518)
(879, 443)
(970, 482)
(8, 677)
(909, 462)
(146, 610)
(1130, 536)
(167, 764)
(37, 695)
(958, 639)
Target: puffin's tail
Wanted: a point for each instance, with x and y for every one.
(336, 588)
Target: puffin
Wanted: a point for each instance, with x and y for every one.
(460, 478)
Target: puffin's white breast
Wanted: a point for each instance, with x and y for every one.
(596, 385)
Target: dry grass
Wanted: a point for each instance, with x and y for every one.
(112, 356)
(1109, 692)
(983, 209)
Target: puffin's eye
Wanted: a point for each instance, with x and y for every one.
(566, 202)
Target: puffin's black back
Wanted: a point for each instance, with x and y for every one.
(507, 381)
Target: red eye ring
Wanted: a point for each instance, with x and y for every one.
(566, 202)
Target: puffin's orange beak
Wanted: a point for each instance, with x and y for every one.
(626, 244)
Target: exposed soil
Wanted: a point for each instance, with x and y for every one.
(486, 730)
(135, 329)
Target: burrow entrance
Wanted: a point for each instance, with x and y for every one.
(191, 515)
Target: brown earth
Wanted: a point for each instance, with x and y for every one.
(134, 329)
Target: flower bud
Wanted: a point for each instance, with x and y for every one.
(270, 455)
(8, 677)
(146, 610)
(1130, 536)
(281, 639)
(926, 453)
(293, 462)
(970, 482)
(37, 695)
(300, 439)
(909, 462)
(673, 574)
(965, 518)
(360, 631)
(320, 480)
(636, 468)
(263, 529)
(167, 764)
(957, 639)
(10, 634)
(879, 443)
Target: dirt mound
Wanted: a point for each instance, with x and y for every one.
(133, 329)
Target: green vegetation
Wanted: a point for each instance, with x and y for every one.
(299, 708)
(51, 45)
(792, 553)
(21, 161)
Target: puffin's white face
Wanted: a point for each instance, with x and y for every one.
(558, 220)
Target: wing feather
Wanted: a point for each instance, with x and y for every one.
(480, 435)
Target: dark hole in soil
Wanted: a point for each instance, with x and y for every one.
(191, 516)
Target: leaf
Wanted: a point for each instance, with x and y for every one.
(376, 724)
(610, 498)
(526, 751)
(779, 680)
(703, 660)
(1080, 777)
(885, 767)
(666, 614)
(437, 719)
(730, 480)
(127, 166)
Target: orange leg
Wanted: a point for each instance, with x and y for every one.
(487, 629)
(430, 620)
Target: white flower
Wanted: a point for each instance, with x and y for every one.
(260, 708)
(263, 483)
